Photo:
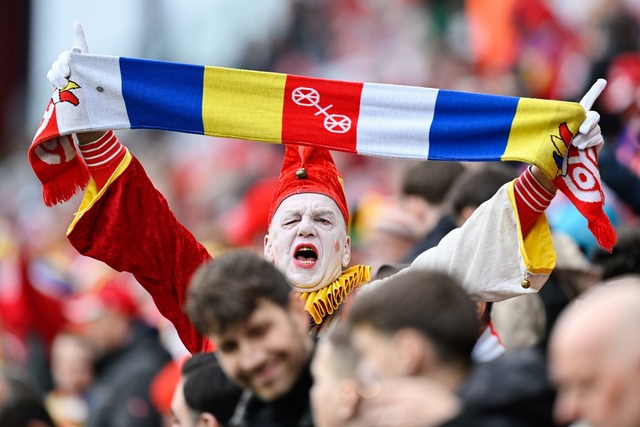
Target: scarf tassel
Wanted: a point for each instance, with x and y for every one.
(69, 181)
(603, 231)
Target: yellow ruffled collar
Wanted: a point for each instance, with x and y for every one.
(324, 302)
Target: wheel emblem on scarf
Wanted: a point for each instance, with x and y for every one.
(309, 97)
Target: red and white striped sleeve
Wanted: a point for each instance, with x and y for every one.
(103, 157)
(532, 199)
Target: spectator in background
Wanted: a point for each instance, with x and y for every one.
(423, 192)
(386, 233)
(128, 355)
(625, 257)
(468, 192)
(620, 161)
(204, 395)
(594, 357)
(21, 403)
(475, 186)
(72, 374)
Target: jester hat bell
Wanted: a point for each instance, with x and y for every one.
(309, 170)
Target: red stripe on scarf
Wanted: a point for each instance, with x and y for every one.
(328, 109)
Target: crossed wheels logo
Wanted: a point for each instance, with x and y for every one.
(309, 97)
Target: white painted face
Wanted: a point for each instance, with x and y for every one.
(308, 241)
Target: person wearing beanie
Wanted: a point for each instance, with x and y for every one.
(502, 251)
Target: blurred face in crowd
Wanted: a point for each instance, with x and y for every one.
(71, 363)
(184, 416)
(332, 396)
(267, 352)
(380, 354)
(308, 241)
(595, 362)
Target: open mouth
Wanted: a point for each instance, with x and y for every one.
(306, 256)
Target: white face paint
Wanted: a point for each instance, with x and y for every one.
(308, 241)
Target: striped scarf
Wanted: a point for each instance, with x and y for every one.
(365, 118)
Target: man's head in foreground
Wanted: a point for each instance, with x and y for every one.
(418, 324)
(335, 392)
(343, 395)
(247, 307)
(594, 357)
(204, 396)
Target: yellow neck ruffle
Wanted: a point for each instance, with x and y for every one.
(325, 301)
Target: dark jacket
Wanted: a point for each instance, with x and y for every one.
(510, 391)
(291, 410)
(120, 394)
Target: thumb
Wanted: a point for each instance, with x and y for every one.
(80, 41)
(590, 97)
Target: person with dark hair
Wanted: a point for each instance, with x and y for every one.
(424, 325)
(247, 307)
(204, 395)
(423, 194)
(474, 187)
(21, 404)
(431, 304)
(343, 396)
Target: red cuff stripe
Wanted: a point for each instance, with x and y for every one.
(532, 192)
(531, 200)
(537, 188)
(103, 157)
(521, 197)
(528, 198)
(102, 151)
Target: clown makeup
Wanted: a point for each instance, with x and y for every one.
(308, 241)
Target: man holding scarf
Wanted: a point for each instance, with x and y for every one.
(502, 251)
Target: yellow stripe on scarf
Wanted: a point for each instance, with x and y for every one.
(326, 301)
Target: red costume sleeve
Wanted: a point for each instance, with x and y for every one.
(129, 226)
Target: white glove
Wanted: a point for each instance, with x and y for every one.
(589, 134)
(60, 70)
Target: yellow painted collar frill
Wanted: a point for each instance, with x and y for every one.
(325, 301)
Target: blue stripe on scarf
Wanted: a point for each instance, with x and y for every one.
(175, 103)
(460, 131)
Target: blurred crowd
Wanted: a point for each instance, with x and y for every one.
(65, 320)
